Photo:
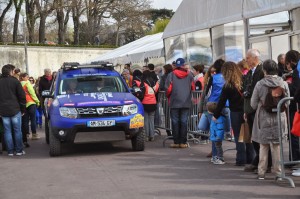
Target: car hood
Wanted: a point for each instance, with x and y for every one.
(96, 99)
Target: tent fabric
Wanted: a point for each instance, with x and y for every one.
(136, 51)
(193, 15)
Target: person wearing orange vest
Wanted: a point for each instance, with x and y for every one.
(30, 114)
(198, 77)
(149, 87)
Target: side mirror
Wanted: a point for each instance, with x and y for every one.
(46, 94)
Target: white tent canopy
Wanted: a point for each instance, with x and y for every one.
(193, 15)
(136, 51)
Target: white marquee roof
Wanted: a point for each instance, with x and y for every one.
(136, 51)
(193, 15)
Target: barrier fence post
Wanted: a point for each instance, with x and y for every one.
(280, 134)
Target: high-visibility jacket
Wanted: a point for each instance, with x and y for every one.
(31, 97)
(150, 92)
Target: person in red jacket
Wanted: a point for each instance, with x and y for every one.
(179, 86)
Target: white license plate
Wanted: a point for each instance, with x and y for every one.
(101, 123)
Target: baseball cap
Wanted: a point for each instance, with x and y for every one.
(180, 62)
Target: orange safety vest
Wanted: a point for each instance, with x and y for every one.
(28, 96)
(149, 97)
(201, 80)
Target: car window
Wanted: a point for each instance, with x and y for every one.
(91, 84)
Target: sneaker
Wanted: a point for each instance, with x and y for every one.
(218, 161)
(261, 177)
(20, 153)
(296, 173)
(40, 126)
(250, 168)
(183, 145)
(203, 142)
(228, 136)
(35, 136)
(174, 145)
(213, 159)
(26, 145)
(151, 139)
(10, 154)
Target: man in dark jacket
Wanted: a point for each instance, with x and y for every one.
(12, 106)
(254, 75)
(45, 84)
(179, 85)
(45, 81)
(293, 61)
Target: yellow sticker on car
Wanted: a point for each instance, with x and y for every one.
(137, 121)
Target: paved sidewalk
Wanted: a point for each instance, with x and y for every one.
(108, 171)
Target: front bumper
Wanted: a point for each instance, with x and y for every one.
(77, 131)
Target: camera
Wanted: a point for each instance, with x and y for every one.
(246, 94)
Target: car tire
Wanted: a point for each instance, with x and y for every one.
(47, 130)
(54, 144)
(138, 141)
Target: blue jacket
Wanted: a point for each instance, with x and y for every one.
(217, 129)
(217, 85)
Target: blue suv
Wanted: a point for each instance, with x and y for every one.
(91, 103)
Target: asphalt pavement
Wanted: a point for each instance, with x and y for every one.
(114, 171)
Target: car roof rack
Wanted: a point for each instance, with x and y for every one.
(96, 64)
(70, 65)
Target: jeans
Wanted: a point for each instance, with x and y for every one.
(204, 123)
(179, 117)
(39, 115)
(149, 123)
(236, 122)
(217, 150)
(13, 124)
(30, 115)
(227, 125)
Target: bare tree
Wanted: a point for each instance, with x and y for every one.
(5, 10)
(44, 8)
(63, 9)
(130, 15)
(18, 6)
(96, 10)
(77, 11)
(31, 16)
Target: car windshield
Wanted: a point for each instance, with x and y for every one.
(91, 84)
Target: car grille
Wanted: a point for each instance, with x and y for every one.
(90, 112)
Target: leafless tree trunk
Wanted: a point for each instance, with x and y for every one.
(62, 18)
(2, 18)
(18, 5)
(44, 8)
(31, 18)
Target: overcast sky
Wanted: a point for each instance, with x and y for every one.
(169, 4)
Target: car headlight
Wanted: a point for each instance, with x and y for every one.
(129, 109)
(68, 112)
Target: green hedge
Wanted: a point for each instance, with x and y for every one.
(61, 45)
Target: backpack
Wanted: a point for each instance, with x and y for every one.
(274, 95)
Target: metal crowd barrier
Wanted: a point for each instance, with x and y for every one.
(193, 120)
(283, 162)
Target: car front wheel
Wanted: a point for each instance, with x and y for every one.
(138, 141)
